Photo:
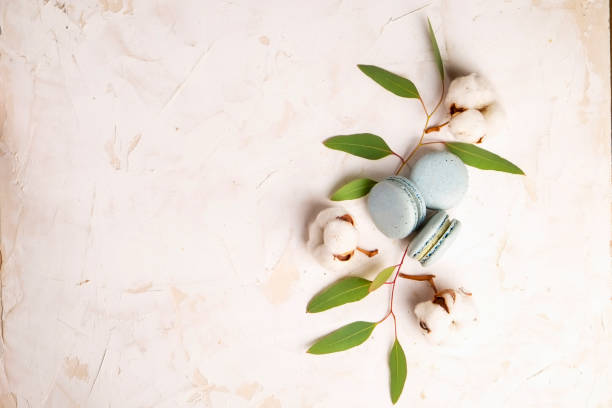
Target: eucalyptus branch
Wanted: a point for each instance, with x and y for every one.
(426, 129)
(342, 242)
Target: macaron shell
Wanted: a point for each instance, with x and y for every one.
(394, 207)
(442, 178)
(427, 233)
(411, 189)
(443, 243)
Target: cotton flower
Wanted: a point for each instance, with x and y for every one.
(340, 237)
(434, 321)
(495, 118)
(333, 238)
(469, 92)
(447, 316)
(474, 111)
(468, 126)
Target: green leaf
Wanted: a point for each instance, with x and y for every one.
(381, 278)
(346, 337)
(346, 290)
(393, 83)
(436, 50)
(364, 145)
(353, 189)
(480, 158)
(397, 366)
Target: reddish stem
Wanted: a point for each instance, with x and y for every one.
(390, 313)
(425, 130)
(399, 157)
(423, 105)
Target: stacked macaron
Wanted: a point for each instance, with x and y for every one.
(434, 238)
(438, 181)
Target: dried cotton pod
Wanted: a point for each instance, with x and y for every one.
(473, 109)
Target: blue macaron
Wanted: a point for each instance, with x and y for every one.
(434, 238)
(441, 177)
(396, 206)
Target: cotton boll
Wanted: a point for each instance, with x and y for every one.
(316, 236)
(434, 320)
(495, 118)
(465, 320)
(469, 92)
(326, 259)
(333, 238)
(449, 318)
(340, 237)
(468, 126)
(464, 311)
(315, 230)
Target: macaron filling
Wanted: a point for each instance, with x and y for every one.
(442, 231)
(439, 242)
(434, 238)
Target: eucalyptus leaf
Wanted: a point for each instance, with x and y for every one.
(480, 158)
(381, 278)
(436, 50)
(364, 145)
(344, 291)
(398, 370)
(346, 337)
(353, 189)
(391, 82)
